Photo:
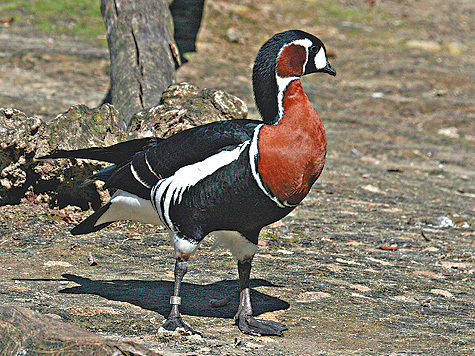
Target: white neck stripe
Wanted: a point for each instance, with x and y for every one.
(283, 83)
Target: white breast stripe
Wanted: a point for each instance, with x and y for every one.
(253, 154)
(170, 190)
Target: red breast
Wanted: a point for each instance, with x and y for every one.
(292, 152)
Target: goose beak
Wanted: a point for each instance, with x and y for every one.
(328, 69)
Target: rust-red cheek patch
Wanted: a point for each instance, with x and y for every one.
(291, 61)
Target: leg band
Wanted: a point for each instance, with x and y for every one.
(174, 300)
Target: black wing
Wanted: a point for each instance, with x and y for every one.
(118, 153)
(140, 165)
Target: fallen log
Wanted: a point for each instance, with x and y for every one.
(27, 332)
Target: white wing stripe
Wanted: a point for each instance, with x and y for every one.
(137, 177)
(188, 176)
(150, 167)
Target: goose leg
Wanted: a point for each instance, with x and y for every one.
(243, 318)
(174, 320)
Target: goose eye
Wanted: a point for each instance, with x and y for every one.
(314, 49)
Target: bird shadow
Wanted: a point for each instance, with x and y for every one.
(155, 295)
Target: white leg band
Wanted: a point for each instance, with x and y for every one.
(175, 300)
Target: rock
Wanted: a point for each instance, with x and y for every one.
(372, 188)
(309, 297)
(23, 139)
(444, 221)
(233, 35)
(57, 264)
(456, 48)
(442, 292)
(183, 106)
(369, 159)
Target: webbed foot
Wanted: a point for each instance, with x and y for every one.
(177, 323)
(249, 325)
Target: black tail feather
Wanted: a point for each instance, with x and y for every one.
(118, 153)
(88, 225)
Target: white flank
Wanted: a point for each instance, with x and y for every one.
(240, 247)
(137, 177)
(320, 59)
(253, 153)
(127, 206)
(182, 246)
(170, 190)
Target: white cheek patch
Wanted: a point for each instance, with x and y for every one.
(320, 59)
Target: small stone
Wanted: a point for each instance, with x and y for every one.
(360, 288)
(373, 189)
(369, 159)
(57, 264)
(465, 224)
(442, 292)
(285, 252)
(449, 132)
(456, 265)
(234, 35)
(388, 247)
(91, 260)
(444, 221)
(430, 46)
(308, 297)
(456, 48)
(377, 95)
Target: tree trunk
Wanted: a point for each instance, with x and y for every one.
(143, 56)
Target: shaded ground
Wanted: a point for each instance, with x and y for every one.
(366, 265)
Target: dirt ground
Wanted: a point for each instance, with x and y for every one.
(379, 259)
